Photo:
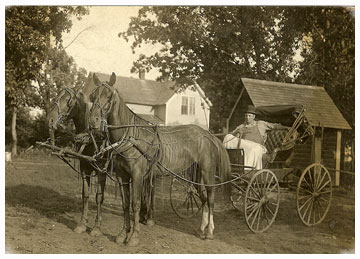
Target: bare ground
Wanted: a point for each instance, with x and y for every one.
(43, 207)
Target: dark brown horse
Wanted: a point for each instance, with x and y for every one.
(73, 104)
(141, 146)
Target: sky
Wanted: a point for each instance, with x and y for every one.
(98, 48)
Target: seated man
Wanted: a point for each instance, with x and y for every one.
(251, 137)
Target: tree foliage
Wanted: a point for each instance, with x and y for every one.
(217, 45)
(328, 34)
(59, 71)
(28, 33)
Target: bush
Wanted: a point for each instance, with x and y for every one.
(29, 129)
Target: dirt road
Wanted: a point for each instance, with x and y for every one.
(42, 209)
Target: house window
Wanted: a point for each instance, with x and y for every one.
(192, 106)
(184, 105)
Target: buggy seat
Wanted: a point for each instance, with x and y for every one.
(273, 143)
(276, 142)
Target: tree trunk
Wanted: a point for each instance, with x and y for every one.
(13, 132)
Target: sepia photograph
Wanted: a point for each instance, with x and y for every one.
(187, 128)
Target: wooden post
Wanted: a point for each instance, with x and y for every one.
(318, 137)
(338, 157)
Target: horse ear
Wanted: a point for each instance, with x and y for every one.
(112, 79)
(96, 79)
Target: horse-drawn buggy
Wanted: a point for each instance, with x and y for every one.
(126, 148)
(257, 192)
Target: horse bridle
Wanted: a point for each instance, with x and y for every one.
(62, 116)
(103, 113)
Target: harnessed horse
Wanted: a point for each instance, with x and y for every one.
(140, 146)
(73, 104)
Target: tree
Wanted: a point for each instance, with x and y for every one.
(215, 46)
(218, 45)
(328, 39)
(58, 71)
(28, 33)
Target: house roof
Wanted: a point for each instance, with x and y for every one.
(152, 118)
(320, 108)
(137, 91)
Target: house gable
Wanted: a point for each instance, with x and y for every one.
(157, 99)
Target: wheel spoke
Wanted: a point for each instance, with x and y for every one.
(303, 197)
(255, 216)
(266, 216)
(252, 211)
(324, 192)
(325, 200)
(307, 208)
(325, 184)
(254, 192)
(269, 210)
(305, 190)
(306, 202)
(251, 206)
(309, 215)
(258, 187)
(270, 191)
(268, 186)
(321, 180)
(259, 217)
(253, 198)
(305, 181)
(317, 175)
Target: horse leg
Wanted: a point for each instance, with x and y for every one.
(205, 212)
(136, 203)
(147, 214)
(81, 226)
(150, 218)
(96, 231)
(210, 202)
(125, 200)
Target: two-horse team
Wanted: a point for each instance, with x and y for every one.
(134, 147)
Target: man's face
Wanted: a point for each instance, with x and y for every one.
(249, 118)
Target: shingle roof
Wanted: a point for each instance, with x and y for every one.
(152, 118)
(320, 108)
(138, 91)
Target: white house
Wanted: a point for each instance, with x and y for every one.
(159, 103)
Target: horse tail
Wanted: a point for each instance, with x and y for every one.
(223, 168)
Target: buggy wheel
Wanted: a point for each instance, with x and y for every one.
(184, 198)
(262, 199)
(314, 194)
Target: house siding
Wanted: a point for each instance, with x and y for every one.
(160, 112)
(173, 112)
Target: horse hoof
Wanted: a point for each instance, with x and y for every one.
(133, 242)
(80, 228)
(150, 222)
(96, 232)
(210, 237)
(120, 240)
(202, 236)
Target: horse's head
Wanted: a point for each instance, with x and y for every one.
(103, 98)
(62, 107)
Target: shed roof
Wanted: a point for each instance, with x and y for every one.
(320, 108)
(138, 91)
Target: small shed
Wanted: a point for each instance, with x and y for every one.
(321, 113)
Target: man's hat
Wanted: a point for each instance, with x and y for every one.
(251, 109)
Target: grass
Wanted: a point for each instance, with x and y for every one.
(29, 185)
